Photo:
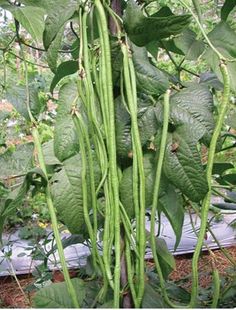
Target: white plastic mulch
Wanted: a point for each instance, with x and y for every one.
(11, 254)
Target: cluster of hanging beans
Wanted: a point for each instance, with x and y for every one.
(119, 237)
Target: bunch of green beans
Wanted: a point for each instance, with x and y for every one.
(95, 89)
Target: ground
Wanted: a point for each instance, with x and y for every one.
(12, 297)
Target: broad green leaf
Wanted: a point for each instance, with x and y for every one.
(166, 259)
(193, 106)
(152, 299)
(17, 162)
(56, 295)
(116, 60)
(49, 155)
(65, 139)
(67, 193)
(147, 123)
(16, 94)
(230, 178)
(64, 69)
(142, 30)
(231, 118)
(210, 79)
(15, 198)
(223, 38)
(75, 49)
(11, 203)
(168, 45)
(171, 204)
(150, 80)
(163, 12)
(123, 130)
(31, 18)
(177, 293)
(228, 6)
(56, 19)
(52, 52)
(220, 168)
(47, 5)
(188, 43)
(126, 184)
(182, 165)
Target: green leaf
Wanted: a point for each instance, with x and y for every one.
(75, 49)
(64, 69)
(149, 79)
(57, 296)
(52, 52)
(126, 184)
(49, 155)
(231, 118)
(187, 43)
(142, 30)
(166, 259)
(220, 168)
(147, 123)
(193, 106)
(152, 299)
(15, 198)
(171, 203)
(123, 130)
(223, 38)
(163, 12)
(12, 202)
(182, 165)
(211, 80)
(47, 5)
(230, 178)
(116, 60)
(32, 19)
(67, 193)
(227, 8)
(17, 162)
(16, 94)
(65, 139)
(56, 19)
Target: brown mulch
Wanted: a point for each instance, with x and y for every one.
(11, 296)
(183, 267)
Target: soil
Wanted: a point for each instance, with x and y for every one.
(12, 297)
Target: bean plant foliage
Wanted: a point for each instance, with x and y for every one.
(128, 138)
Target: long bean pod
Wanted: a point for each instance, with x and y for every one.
(111, 139)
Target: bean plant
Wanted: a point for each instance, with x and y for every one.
(129, 137)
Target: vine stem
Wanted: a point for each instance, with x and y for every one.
(210, 162)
